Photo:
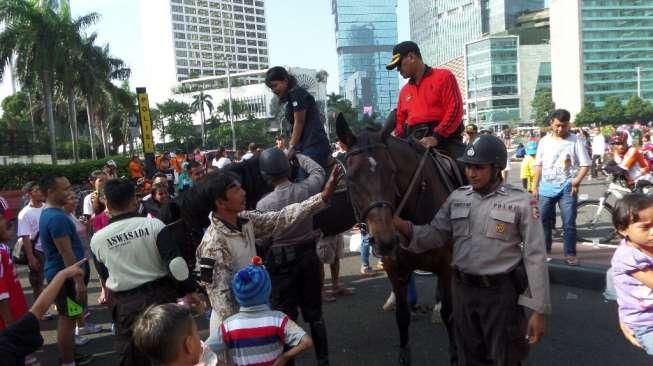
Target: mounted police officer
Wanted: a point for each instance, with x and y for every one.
(430, 107)
(291, 258)
(498, 259)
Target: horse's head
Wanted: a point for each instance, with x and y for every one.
(371, 182)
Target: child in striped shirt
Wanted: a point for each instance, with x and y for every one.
(256, 335)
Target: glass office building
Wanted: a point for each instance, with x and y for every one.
(617, 39)
(366, 31)
(442, 28)
(492, 70)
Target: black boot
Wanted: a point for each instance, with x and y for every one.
(319, 335)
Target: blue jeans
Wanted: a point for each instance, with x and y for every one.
(568, 204)
(644, 336)
(365, 249)
(412, 291)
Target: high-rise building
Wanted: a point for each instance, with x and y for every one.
(366, 31)
(442, 28)
(197, 38)
(205, 31)
(600, 48)
(492, 69)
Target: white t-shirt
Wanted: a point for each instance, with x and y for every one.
(28, 224)
(128, 249)
(222, 162)
(560, 160)
(248, 155)
(87, 206)
(598, 145)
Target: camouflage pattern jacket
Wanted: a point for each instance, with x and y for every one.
(224, 249)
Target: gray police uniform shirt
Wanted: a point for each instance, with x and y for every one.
(492, 234)
(289, 193)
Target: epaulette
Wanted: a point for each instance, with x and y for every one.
(464, 188)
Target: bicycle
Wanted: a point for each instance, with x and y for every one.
(594, 217)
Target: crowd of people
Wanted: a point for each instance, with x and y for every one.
(169, 246)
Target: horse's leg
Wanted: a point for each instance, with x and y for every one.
(399, 282)
(446, 311)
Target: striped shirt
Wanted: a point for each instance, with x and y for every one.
(256, 335)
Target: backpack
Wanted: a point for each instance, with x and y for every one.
(18, 255)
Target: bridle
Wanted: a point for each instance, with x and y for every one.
(361, 216)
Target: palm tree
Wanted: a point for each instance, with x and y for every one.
(70, 62)
(31, 34)
(199, 100)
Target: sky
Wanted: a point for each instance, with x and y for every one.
(300, 33)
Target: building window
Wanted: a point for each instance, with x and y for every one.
(177, 9)
(180, 35)
(190, 10)
(181, 53)
(178, 26)
(180, 44)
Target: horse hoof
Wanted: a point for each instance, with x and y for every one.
(404, 356)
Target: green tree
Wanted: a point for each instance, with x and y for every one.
(31, 34)
(336, 104)
(613, 111)
(588, 114)
(177, 116)
(199, 101)
(239, 109)
(636, 109)
(542, 105)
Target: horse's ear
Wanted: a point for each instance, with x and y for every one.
(344, 133)
(389, 125)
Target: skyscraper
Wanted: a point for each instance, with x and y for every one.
(195, 38)
(442, 28)
(366, 31)
(206, 31)
(597, 48)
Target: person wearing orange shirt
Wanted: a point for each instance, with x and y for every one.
(178, 160)
(629, 158)
(135, 168)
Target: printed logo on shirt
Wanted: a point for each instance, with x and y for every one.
(295, 104)
(122, 238)
(471, 152)
(500, 228)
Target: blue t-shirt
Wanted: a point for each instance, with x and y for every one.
(55, 223)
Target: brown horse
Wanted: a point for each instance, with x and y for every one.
(379, 169)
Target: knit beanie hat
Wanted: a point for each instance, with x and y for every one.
(251, 285)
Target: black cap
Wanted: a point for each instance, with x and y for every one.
(400, 50)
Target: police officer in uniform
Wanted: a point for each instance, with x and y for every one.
(429, 107)
(291, 258)
(498, 260)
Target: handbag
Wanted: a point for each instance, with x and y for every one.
(18, 255)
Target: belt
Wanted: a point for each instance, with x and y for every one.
(483, 281)
(163, 281)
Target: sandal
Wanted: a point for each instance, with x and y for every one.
(571, 260)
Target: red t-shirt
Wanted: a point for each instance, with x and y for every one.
(10, 286)
(436, 98)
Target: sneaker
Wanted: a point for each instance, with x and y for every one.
(31, 360)
(88, 328)
(83, 358)
(390, 302)
(571, 260)
(49, 315)
(366, 270)
(80, 340)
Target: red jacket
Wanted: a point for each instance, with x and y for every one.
(436, 98)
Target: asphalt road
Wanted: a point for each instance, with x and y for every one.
(581, 331)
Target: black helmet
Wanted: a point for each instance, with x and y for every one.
(273, 162)
(486, 149)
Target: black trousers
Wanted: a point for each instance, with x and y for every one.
(127, 306)
(489, 325)
(296, 285)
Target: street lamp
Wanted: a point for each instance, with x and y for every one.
(227, 61)
(475, 96)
